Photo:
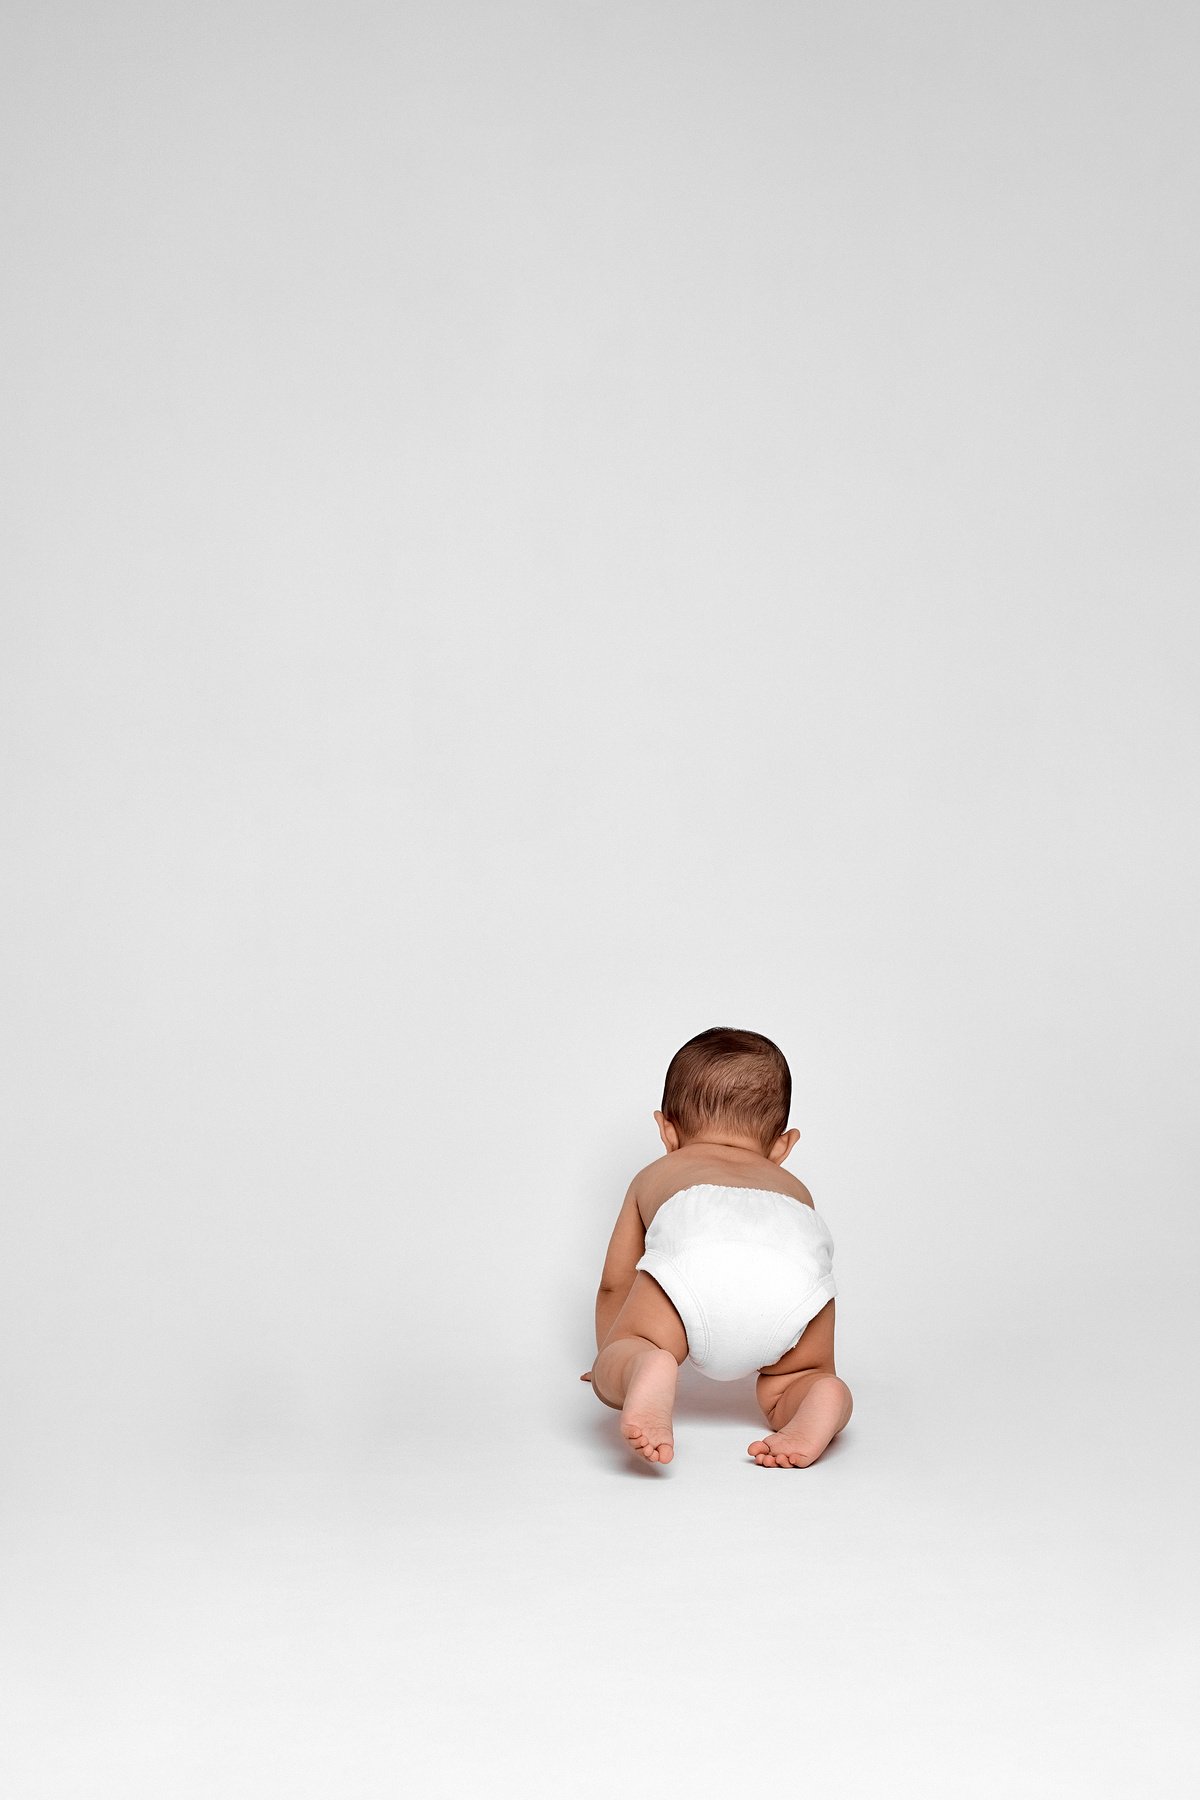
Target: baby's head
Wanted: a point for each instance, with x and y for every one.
(731, 1087)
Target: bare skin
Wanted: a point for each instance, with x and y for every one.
(637, 1366)
(821, 1409)
(641, 1338)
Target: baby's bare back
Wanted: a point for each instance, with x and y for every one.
(718, 1165)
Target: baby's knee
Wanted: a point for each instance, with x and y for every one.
(837, 1396)
(596, 1389)
(838, 1386)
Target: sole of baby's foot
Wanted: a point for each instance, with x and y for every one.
(649, 1401)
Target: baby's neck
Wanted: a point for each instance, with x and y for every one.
(745, 1146)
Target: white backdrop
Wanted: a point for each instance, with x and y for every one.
(533, 529)
(536, 529)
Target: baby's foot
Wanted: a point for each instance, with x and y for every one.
(823, 1412)
(649, 1398)
(783, 1450)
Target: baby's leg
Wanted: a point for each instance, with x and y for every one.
(637, 1366)
(811, 1412)
(802, 1397)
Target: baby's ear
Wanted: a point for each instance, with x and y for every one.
(783, 1146)
(667, 1132)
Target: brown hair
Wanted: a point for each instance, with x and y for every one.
(738, 1079)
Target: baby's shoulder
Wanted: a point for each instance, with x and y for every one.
(652, 1177)
(652, 1184)
(795, 1187)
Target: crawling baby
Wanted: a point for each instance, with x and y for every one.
(719, 1254)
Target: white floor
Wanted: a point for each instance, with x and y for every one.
(986, 1588)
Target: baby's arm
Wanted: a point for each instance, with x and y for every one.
(620, 1265)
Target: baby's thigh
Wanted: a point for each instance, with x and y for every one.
(649, 1312)
(812, 1350)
